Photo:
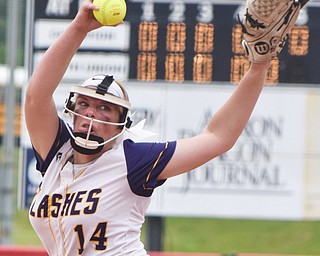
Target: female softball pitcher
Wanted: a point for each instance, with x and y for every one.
(97, 183)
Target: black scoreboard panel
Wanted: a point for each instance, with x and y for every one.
(200, 41)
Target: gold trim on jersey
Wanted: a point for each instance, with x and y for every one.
(154, 166)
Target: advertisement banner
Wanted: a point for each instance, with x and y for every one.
(262, 176)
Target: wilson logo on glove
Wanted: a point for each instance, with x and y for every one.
(261, 48)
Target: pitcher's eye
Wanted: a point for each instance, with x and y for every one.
(104, 107)
(83, 104)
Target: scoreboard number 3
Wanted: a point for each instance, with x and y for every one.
(206, 11)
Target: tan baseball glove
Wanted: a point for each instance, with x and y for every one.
(266, 26)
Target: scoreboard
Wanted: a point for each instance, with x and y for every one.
(198, 41)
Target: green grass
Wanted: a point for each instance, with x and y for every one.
(245, 236)
(218, 235)
(23, 233)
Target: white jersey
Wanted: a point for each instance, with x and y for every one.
(97, 208)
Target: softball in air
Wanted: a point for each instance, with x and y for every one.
(111, 12)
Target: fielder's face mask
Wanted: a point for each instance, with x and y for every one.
(103, 88)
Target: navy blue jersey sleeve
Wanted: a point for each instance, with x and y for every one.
(145, 161)
(62, 136)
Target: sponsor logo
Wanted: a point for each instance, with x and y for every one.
(261, 48)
